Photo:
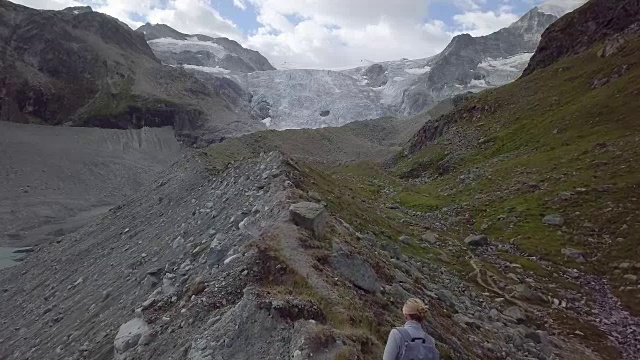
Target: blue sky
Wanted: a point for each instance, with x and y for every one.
(327, 34)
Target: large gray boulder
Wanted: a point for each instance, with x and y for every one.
(310, 216)
(130, 334)
(357, 270)
(477, 240)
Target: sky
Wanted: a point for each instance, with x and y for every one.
(321, 34)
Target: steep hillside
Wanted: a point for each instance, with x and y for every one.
(595, 21)
(198, 266)
(56, 179)
(175, 48)
(84, 68)
(545, 167)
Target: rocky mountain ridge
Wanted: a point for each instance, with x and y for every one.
(286, 99)
(595, 22)
(178, 49)
(83, 68)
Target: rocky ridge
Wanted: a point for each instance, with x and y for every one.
(201, 51)
(596, 21)
(222, 265)
(292, 99)
(83, 68)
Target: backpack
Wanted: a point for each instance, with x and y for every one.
(418, 348)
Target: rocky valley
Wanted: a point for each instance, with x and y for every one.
(511, 211)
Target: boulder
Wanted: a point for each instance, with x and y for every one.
(447, 298)
(538, 337)
(430, 237)
(574, 254)
(466, 321)
(477, 240)
(495, 316)
(310, 216)
(553, 220)
(516, 314)
(524, 292)
(356, 270)
(130, 334)
(630, 278)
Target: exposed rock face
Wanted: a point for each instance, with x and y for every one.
(375, 75)
(175, 48)
(84, 68)
(459, 64)
(592, 23)
(310, 216)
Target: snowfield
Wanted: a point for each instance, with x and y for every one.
(193, 44)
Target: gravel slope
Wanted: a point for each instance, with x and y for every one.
(55, 178)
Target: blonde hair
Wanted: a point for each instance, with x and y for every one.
(415, 309)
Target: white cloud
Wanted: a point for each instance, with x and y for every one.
(318, 33)
(338, 34)
(48, 4)
(240, 4)
(193, 17)
(189, 16)
(478, 23)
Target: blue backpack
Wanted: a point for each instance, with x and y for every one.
(418, 348)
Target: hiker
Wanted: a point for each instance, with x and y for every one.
(410, 342)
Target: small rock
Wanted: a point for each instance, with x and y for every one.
(231, 258)
(538, 337)
(516, 314)
(495, 316)
(630, 278)
(524, 292)
(553, 220)
(574, 254)
(430, 237)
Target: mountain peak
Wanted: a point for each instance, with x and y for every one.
(560, 8)
(78, 10)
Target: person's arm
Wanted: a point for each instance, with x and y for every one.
(393, 346)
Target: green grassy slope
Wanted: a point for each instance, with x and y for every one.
(359, 141)
(550, 144)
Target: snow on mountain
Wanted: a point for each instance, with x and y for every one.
(191, 44)
(292, 99)
(560, 8)
(502, 71)
(286, 99)
(175, 48)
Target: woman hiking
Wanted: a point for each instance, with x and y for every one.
(410, 342)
